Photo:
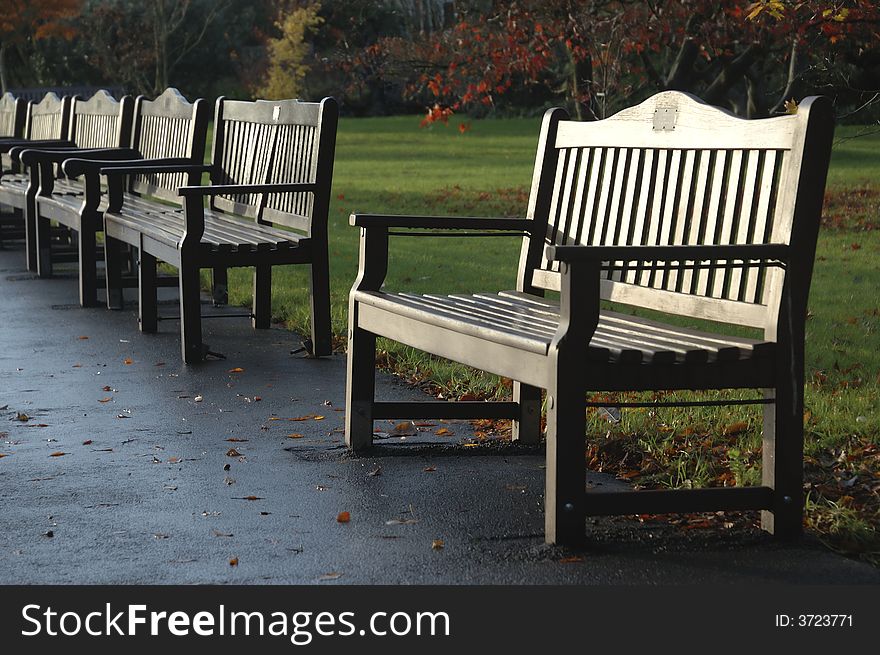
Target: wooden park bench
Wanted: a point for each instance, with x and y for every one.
(671, 205)
(46, 124)
(271, 170)
(99, 127)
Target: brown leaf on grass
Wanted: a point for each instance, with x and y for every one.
(443, 432)
(57, 453)
(437, 544)
(87, 442)
(233, 561)
(236, 440)
(232, 452)
(735, 428)
(104, 400)
(128, 361)
(237, 369)
(343, 517)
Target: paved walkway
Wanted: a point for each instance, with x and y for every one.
(124, 473)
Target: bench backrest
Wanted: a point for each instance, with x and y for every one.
(169, 126)
(275, 142)
(101, 121)
(676, 171)
(12, 115)
(49, 118)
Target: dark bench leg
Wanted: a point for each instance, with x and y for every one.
(319, 296)
(527, 428)
(262, 297)
(783, 457)
(566, 477)
(113, 263)
(360, 385)
(147, 300)
(220, 286)
(88, 262)
(30, 233)
(43, 246)
(191, 345)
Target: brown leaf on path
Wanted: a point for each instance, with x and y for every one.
(429, 469)
(87, 442)
(443, 432)
(318, 418)
(128, 361)
(107, 387)
(437, 544)
(198, 399)
(295, 435)
(233, 561)
(628, 475)
(57, 453)
(232, 452)
(424, 424)
(2, 455)
(330, 576)
(343, 517)
(376, 471)
(37, 425)
(574, 559)
(83, 337)
(77, 366)
(237, 369)
(173, 460)
(236, 440)
(21, 416)
(248, 498)
(104, 400)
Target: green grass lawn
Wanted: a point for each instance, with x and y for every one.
(390, 165)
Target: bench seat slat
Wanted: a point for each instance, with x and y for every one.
(530, 322)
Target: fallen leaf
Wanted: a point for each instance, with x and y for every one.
(198, 399)
(376, 471)
(82, 337)
(23, 417)
(77, 366)
(437, 544)
(318, 418)
(226, 467)
(237, 369)
(57, 453)
(343, 517)
(429, 469)
(401, 522)
(232, 452)
(628, 475)
(257, 399)
(2, 455)
(104, 400)
(87, 442)
(107, 387)
(233, 561)
(217, 533)
(330, 576)
(160, 535)
(442, 432)
(128, 361)
(294, 435)
(173, 460)
(735, 428)
(48, 533)
(251, 498)
(575, 559)
(236, 440)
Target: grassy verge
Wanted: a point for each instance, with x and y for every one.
(390, 165)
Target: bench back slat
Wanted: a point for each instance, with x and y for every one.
(674, 171)
(12, 116)
(168, 126)
(101, 121)
(49, 118)
(275, 142)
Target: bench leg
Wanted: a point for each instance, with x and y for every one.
(220, 286)
(88, 264)
(262, 297)
(191, 345)
(113, 262)
(148, 310)
(783, 457)
(527, 428)
(319, 296)
(360, 385)
(43, 246)
(566, 477)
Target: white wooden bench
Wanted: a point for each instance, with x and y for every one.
(671, 205)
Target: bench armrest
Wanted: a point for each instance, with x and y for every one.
(31, 156)
(236, 189)
(774, 251)
(76, 166)
(443, 222)
(7, 145)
